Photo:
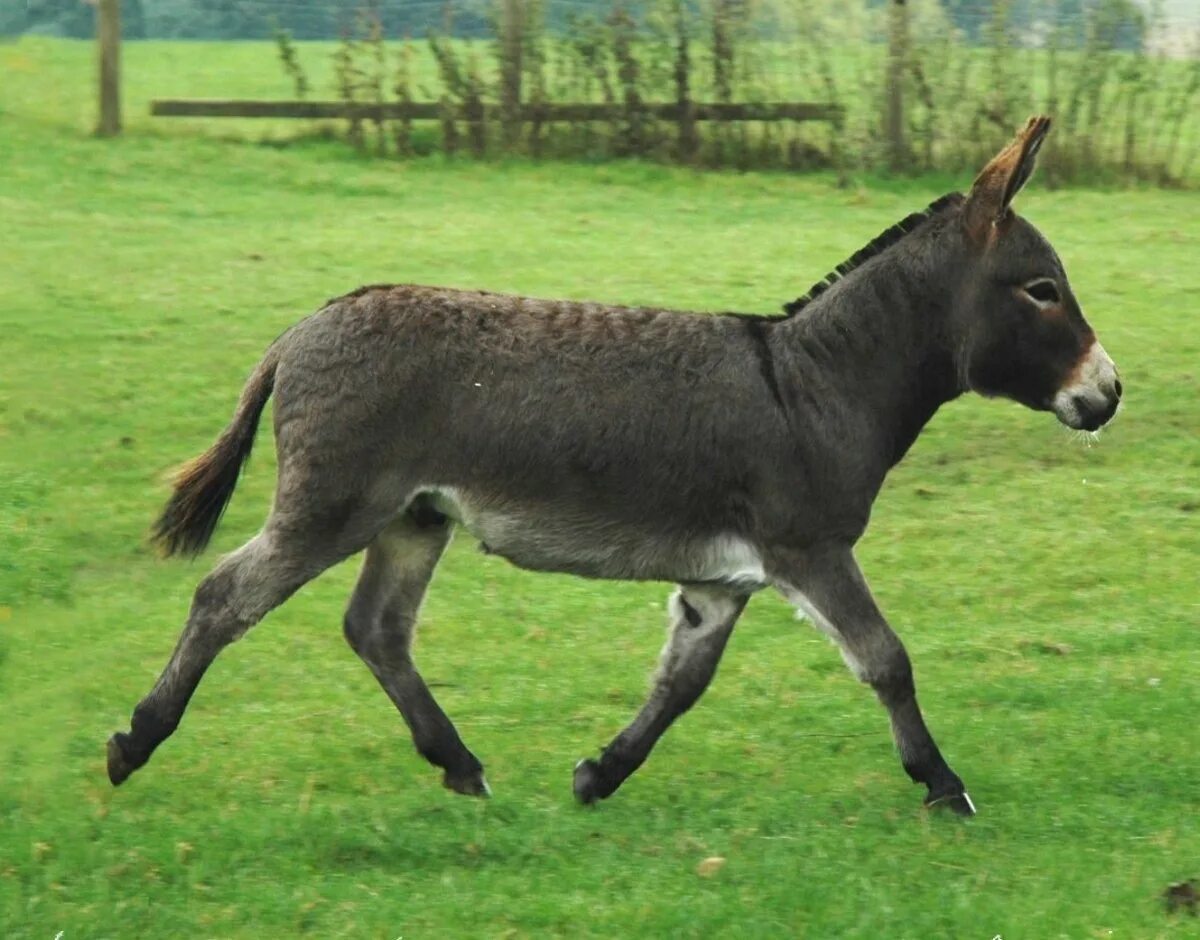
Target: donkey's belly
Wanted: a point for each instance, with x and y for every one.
(583, 544)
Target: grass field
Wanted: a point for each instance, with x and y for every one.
(1046, 589)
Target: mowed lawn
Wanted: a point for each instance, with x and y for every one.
(1046, 586)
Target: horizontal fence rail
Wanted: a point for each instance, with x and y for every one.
(550, 111)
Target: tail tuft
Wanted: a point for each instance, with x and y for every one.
(204, 486)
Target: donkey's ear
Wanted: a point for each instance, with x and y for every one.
(1003, 177)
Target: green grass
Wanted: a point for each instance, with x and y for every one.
(1046, 589)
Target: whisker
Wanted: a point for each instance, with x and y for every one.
(1086, 438)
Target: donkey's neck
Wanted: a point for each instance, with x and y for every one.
(873, 353)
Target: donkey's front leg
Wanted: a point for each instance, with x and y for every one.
(829, 587)
(702, 617)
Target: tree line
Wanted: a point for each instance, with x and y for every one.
(330, 19)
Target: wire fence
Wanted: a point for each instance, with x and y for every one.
(923, 85)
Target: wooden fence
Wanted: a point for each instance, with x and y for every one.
(550, 111)
(478, 115)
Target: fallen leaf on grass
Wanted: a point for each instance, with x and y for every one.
(710, 866)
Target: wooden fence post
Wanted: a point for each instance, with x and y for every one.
(512, 30)
(897, 59)
(683, 94)
(108, 41)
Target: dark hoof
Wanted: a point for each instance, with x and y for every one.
(591, 783)
(120, 762)
(586, 782)
(958, 803)
(472, 783)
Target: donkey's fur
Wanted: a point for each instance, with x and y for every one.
(725, 453)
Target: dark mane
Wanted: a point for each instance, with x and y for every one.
(876, 246)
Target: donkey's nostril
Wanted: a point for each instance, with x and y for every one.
(1117, 387)
(1111, 409)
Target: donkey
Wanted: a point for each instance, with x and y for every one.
(724, 453)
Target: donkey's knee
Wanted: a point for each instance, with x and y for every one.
(355, 629)
(382, 613)
(363, 632)
(890, 674)
(379, 632)
(876, 658)
(886, 669)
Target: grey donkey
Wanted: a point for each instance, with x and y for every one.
(724, 453)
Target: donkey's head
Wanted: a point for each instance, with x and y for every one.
(1022, 334)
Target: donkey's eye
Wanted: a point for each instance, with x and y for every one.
(1042, 291)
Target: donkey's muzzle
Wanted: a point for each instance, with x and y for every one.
(1093, 412)
(1094, 394)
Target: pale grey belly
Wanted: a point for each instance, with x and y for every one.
(588, 545)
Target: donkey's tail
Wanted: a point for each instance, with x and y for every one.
(204, 484)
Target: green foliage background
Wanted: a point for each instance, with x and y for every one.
(326, 19)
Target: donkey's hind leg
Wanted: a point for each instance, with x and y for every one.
(379, 626)
(702, 617)
(239, 592)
